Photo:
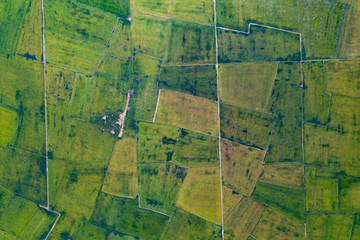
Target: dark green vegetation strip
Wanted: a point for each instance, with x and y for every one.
(120, 8)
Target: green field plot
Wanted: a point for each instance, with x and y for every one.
(159, 185)
(112, 83)
(23, 219)
(230, 200)
(30, 41)
(79, 21)
(183, 226)
(350, 46)
(24, 173)
(149, 35)
(349, 194)
(316, 225)
(256, 81)
(321, 23)
(286, 174)
(287, 200)
(59, 82)
(12, 19)
(125, 216)
(90, 231)
(82, 143)
(77, 201)
(339, 226)
(286, 102)
(289, 72)
(201, 193)
(193, 113)
(243, 219)
(146, 66)
(356, 227)
(261, 44)
(322, 194)
(195, 80)
(194, 149)
(196, 11)
(316, 101)
(190, 43)
(120, 44)
(121, 177)
(72, 53)
(6, 197)
(246, 126)
(343, 78)
(158, 7)
(121, 236)
(81, 97)
(8, 122)
(156, 142)
(276, 225)
(241, 166)
(120, 8)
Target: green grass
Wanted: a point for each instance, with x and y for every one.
(316, 101)
(23, 173)
(241, 166)
(195, 11)
(5, 197)
(190, 43)
(8, 122)
(286, 103)
(289, 72)
(256, 81)
(243, 219)
(123, 215)
(30, 40)
(356, 226)
(349, 194)
(81, 96)
(157, 7)
(339, 226)
(201, 193)
(321, 23)
(156, 142)
(195, 80)
(159, 185)
(194, 149)
(121, 177)
(276, 225)
(88, 230)
(193, 113)
(183, 226)
(112, 84)
(287, 200)
(72, 53)
(149, 35)
(59, 82)
(261, 44)
(77, 201)
(316, 225)
(78, 21)
(343, 78)
(120, 8)
(285, 174)
(146, 66)
(120, 44)
(246, 126)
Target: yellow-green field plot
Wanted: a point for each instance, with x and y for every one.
(230, 200)
(59, 82)
(201, 193)
(349, 194)
(8, 123)
(339, 226)
(196, 11)
(121, 177)
(247, 85)
(285, 174)
(120, 44)
(241, 166)
(243, 219)
(193, 113)
(289, 72)
(156, 7)
(343, 78)
(276, 225)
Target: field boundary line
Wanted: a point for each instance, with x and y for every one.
(150, 209)
(242, 144)
(157, 105)
(53, 226)
(187, 94)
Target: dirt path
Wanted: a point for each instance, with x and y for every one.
(123, 114)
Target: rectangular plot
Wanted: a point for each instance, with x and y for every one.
(59, 82)
(339, 226)
(261, 44)
(158, 7)
(231, 199)
(316, 225)
(159, 185)
(121, 177)
(349, 194)
(72, 53)
(193, 113)
(120, 8)
(8, 123)
(195, 80)
(197, 11)
(289, 72)
(120, 44)
(88, 230)
(246, 126)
